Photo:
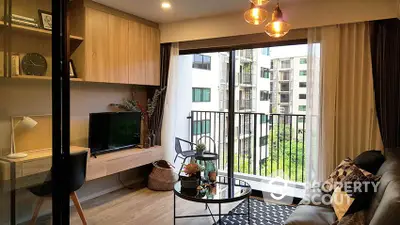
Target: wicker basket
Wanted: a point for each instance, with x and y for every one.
(163, 177)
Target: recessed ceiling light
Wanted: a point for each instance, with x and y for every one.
(165, 5)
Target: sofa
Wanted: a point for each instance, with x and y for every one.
(384, 208)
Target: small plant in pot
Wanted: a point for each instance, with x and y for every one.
(192, 170)
(200, 148)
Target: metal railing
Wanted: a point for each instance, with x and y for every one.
(267, 145)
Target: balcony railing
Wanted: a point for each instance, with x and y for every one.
(270, 145)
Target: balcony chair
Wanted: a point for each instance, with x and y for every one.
(183, 154)
(77, 176)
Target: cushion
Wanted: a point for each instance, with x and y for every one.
(370, 161)
(357, 218)
(341, 202)
(341, 171)
(311, 215)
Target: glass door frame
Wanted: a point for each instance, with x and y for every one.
(61, 112)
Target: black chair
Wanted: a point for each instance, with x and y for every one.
(183, 154)
(77, 176)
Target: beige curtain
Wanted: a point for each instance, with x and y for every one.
(348, 123)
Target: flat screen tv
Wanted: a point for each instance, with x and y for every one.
(113, 131)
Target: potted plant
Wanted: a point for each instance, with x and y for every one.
(200, 148)
(192, 170)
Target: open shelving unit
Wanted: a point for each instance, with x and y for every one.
(75, 41)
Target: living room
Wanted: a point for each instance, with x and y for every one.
(199, 112)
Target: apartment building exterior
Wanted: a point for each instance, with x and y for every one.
(258, 75)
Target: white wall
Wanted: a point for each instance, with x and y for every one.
(300, 14)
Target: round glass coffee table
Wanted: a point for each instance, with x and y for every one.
(218, 193)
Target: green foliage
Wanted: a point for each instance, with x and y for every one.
(200, 148)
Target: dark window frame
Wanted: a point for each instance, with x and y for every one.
(264, 96)
(265, 71)
(303, 95)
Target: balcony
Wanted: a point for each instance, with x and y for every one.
(245, 104)
(266, 146)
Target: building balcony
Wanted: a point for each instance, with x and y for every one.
(266, 145)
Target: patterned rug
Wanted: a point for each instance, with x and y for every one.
(262, 213)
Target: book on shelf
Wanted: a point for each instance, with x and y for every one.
(24, 18)
(25, 23)
(15, 65)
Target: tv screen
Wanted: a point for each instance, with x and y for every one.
(113, 131)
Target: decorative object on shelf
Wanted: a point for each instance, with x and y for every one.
(153, 138)
(162, 177)
(200, 148)
(259, 2)
(45, 19)
(34, 64)
(15, 71)
(278, 27)
(256, 15)
(26, 123)
(72, 71)
(147, 114)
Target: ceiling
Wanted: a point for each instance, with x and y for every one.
(181, 9)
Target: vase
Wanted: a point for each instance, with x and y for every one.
(147, 141)
(153, 139)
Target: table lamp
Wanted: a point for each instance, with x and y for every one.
(26, 123)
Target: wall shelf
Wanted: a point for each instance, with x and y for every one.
(16, 28)
(41, 78)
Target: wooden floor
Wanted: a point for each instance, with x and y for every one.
(142, 207)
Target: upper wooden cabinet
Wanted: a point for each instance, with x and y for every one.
(118, 50)
(97, 52)
(144, 54)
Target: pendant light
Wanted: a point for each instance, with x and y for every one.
(259, 2)
(256, 15)
(278, 27)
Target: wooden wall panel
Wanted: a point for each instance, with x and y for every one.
(118, 47)
(97, 51)
(137, 50)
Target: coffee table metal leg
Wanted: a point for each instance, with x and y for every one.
(219, 211)
(174, 208)
(248, 210)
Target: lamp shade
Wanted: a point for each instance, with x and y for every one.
(26, 123)
(259, 2)
(278, 27)
(255, 15)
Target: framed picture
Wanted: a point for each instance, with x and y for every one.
(45, 20)
(72, 71)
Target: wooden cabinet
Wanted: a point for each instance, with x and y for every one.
(118, 50)
(153, 56)
(137, 53)
(97, 54)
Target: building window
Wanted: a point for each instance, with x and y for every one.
(302, 96)
(303, 84)
(265, 51)
(285, 64)
(201, 127)
(264, 95)
(303, 61)
(300, 119)
(263, 141)
(303, 73)
(302, 108)
(202, 62)
(272, 64)
(264, 119)
(201, 94)
(264, 72)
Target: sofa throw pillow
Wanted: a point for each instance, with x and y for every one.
(341, 171)
(370, 161)
(357, 218)
(341, 202)
(360, 185)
